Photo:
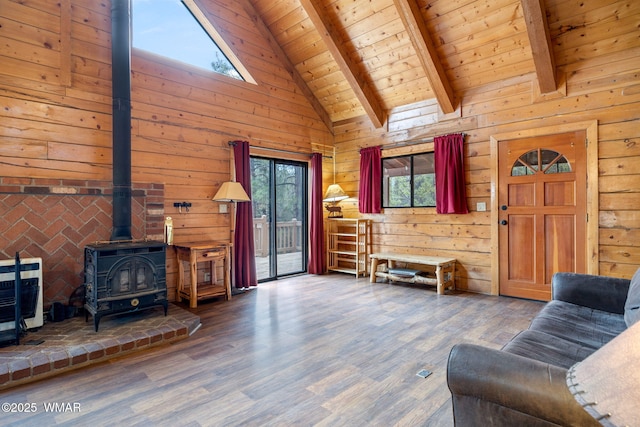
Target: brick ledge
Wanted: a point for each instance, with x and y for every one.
(73, 343)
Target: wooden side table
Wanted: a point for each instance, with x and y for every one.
(211, 252)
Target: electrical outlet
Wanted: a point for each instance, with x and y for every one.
(207, 276)
(222, 208)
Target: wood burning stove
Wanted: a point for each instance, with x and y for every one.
(123, 277)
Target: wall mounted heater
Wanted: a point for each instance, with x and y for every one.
(32, 306)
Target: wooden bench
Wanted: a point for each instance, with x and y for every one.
(445, 269)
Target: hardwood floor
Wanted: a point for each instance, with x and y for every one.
(309, 350)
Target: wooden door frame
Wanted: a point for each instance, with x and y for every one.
(592, 246)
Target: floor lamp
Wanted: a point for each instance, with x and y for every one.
(232, 192)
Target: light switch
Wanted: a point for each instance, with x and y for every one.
(481, 206)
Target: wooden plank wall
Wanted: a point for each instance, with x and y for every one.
(55, 89)
(55, 122)
(605, 88)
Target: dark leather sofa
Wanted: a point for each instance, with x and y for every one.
(524, 384)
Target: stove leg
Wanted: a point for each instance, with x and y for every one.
(96, 321)
(166, 307)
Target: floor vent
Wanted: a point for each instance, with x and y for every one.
(423, 373)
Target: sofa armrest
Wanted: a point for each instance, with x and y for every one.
(597, 292)
(496, 380)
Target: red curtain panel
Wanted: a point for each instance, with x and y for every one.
(369, 199)
(317, 254)
(451, 194)
(243, 248)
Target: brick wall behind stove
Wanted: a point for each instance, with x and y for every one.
(55, 220)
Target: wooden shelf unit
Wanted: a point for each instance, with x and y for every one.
(348, 245)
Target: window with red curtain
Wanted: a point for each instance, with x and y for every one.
(317, 254)
(370, 180)
(451, 193)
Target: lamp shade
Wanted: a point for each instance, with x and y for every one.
(334, 193)
(231, 192)
(607, 382)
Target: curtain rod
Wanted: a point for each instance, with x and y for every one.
(410, 143)
(279, 150)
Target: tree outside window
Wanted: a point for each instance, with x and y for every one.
(408, 181)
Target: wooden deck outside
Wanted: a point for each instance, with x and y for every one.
(287, 263)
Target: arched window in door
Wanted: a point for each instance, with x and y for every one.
(540, 160)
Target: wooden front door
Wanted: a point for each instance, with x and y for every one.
(542, 212)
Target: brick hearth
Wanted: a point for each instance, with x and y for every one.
(73, 343)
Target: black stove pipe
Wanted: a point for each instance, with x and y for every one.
(121, 126)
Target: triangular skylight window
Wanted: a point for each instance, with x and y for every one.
(179, 30)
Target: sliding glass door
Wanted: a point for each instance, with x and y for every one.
(279, 197)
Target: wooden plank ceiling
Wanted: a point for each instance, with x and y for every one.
(367, 57)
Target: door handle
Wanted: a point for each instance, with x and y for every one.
(503, 222)
(503, 207)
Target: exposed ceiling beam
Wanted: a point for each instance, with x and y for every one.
(286, 63)
(540, 39)
(426, 50)
(348, 67)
